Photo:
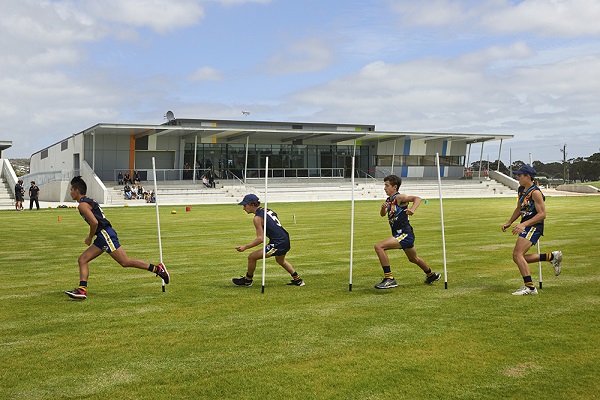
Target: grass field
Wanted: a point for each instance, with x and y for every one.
(206, 339)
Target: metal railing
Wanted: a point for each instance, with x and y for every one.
(368, 177)
(299, 173)
(224, 173)
(163, 174)
(41, 178)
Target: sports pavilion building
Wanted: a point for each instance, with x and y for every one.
(182, 148)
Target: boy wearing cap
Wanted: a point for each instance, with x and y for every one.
(532, 209)
(279, 242)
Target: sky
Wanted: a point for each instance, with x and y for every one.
(529, 68)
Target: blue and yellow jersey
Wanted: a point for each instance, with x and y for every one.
(275, 232)
(397, 217)
(527, 205)
(103, 223)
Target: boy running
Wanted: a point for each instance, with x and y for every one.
(532, 209)
(279, 242)
(397, 211)
(106, 241)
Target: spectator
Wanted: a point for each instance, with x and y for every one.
(127, 191)
(34, 193)
(211, 179)
(205, 181)
(19, 193)
(152, 197)
(140, 192)
(136, 177)
(120, 178)
(127, 178)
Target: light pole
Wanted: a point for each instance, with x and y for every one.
(564, 151)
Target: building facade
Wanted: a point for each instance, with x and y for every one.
(183, 148)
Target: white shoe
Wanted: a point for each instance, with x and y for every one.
(524, 291)
(557, 262)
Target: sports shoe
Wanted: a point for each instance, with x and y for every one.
(161, 271)
(557, 262)
(430, 279)
(241, 281)
(296, 282)
(386, 283)
(77, 294)
(524, 291)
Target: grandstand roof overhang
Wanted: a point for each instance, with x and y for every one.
(4, 144)
(335, 134)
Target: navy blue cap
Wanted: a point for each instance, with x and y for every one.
(526, 170)
(249, 198)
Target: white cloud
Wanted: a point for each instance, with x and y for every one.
(241, 2)
(308, 55)
(432, 13)
(452, 95)
(564, 18)
(207, 74)
(64, 66)
(160, 15)
(46, 23)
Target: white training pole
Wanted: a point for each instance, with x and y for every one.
(539, 263)
(351, 227)
(437, 162)
(538, 242)
(264, 267)
(157, 216)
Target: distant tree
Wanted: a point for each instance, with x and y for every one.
(516, 165)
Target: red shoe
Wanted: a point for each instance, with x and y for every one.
(77, 294)
(161, 271)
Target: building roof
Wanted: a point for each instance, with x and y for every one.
(5, 144)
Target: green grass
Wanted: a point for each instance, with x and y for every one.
(594, 184)
(206, 339)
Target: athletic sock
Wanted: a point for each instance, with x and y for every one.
(83, 285)
(429, 273)
(387, 272)
(296, 276)
(152, 268)
(546, 257)
(249, 277)
(528, 282)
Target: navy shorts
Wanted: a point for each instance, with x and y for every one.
(532, 234)
(277, 250)
(406, 240)
(107, 240)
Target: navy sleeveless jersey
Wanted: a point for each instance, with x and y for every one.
(527, 205)
(103, 223)
(397, 217)
(275, 232)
